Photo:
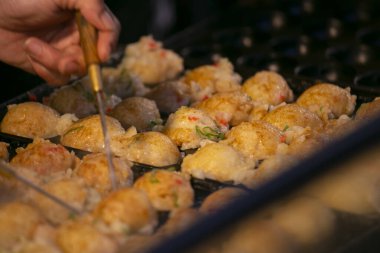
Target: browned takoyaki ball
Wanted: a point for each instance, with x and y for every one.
(87, 134)
(289, 115)
(328, 101)
(368, 110)
(94, 171)
(126, 211)
(4, 154)
(207, 80)
(268, 87)
(44, 158)
(167, 190)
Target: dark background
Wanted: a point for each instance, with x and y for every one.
(161, 18)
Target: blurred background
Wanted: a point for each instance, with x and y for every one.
(161, 18)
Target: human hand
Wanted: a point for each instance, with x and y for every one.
(41, 37)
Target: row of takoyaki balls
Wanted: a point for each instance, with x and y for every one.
(239, 133)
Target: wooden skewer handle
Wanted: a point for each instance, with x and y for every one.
(88, 40)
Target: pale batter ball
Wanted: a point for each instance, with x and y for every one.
(327, 100)
(94, 171)
(268, 87)
(4, 154)
(169, 96)
(207, 80)
(257, 139)
(86, 134)
(30, 119)
(82, 237)
(368, 110)
(139, 112)
(18, 222)
(219, 199)
(71, 191)
(220, 162)
(152, 148)
(44, 158)
(307, 220)
(126, 211)
(227, 109)
(188, 127)
(167, 190)
(150, 62)
(289, 115)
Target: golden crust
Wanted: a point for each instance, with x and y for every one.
(94, 171)
(30, 119)
(207, 80)
(256, 139)
(44, 158)
(328, 100)
(268, 87)
(86, 134)
(117, 210)
(289, 115)
(166, 190)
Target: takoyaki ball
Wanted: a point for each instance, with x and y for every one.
(368, 110)
(150, 62)
(4, 154)
(178, 221)
(139, 112)
(44, 158)
(268, 87)
(94, 171)
(303, 141)
(229, 108)
(220, 162)
(126, 211)
(289, 115)
(189, 127)
(352, 187)
(87, 134)
(73, 99)
(340, 126)
(258, 111)
(80, 236)
(167, 190)
(270, 168)
(256, 139)
(259, 237)
(152, 148)
(169, 96)
(32, 119)
(204, 81)
(327, 100)
(219, 199)
(71, 191)
(18, 222)
(307, 220)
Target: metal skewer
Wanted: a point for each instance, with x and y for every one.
(9, 171)
(88, 40)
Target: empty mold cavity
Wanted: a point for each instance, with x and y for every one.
(354, 55)
(327, 72)
(370, 36)
(370, 79)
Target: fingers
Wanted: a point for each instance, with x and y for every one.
(53, 65)
(99, 15)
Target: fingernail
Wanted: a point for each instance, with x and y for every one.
(33, 48)
(107, 19)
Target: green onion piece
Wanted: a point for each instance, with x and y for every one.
(153, 179)
(285, 128)
(171, 169)
(209, 133)
(73, 130)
